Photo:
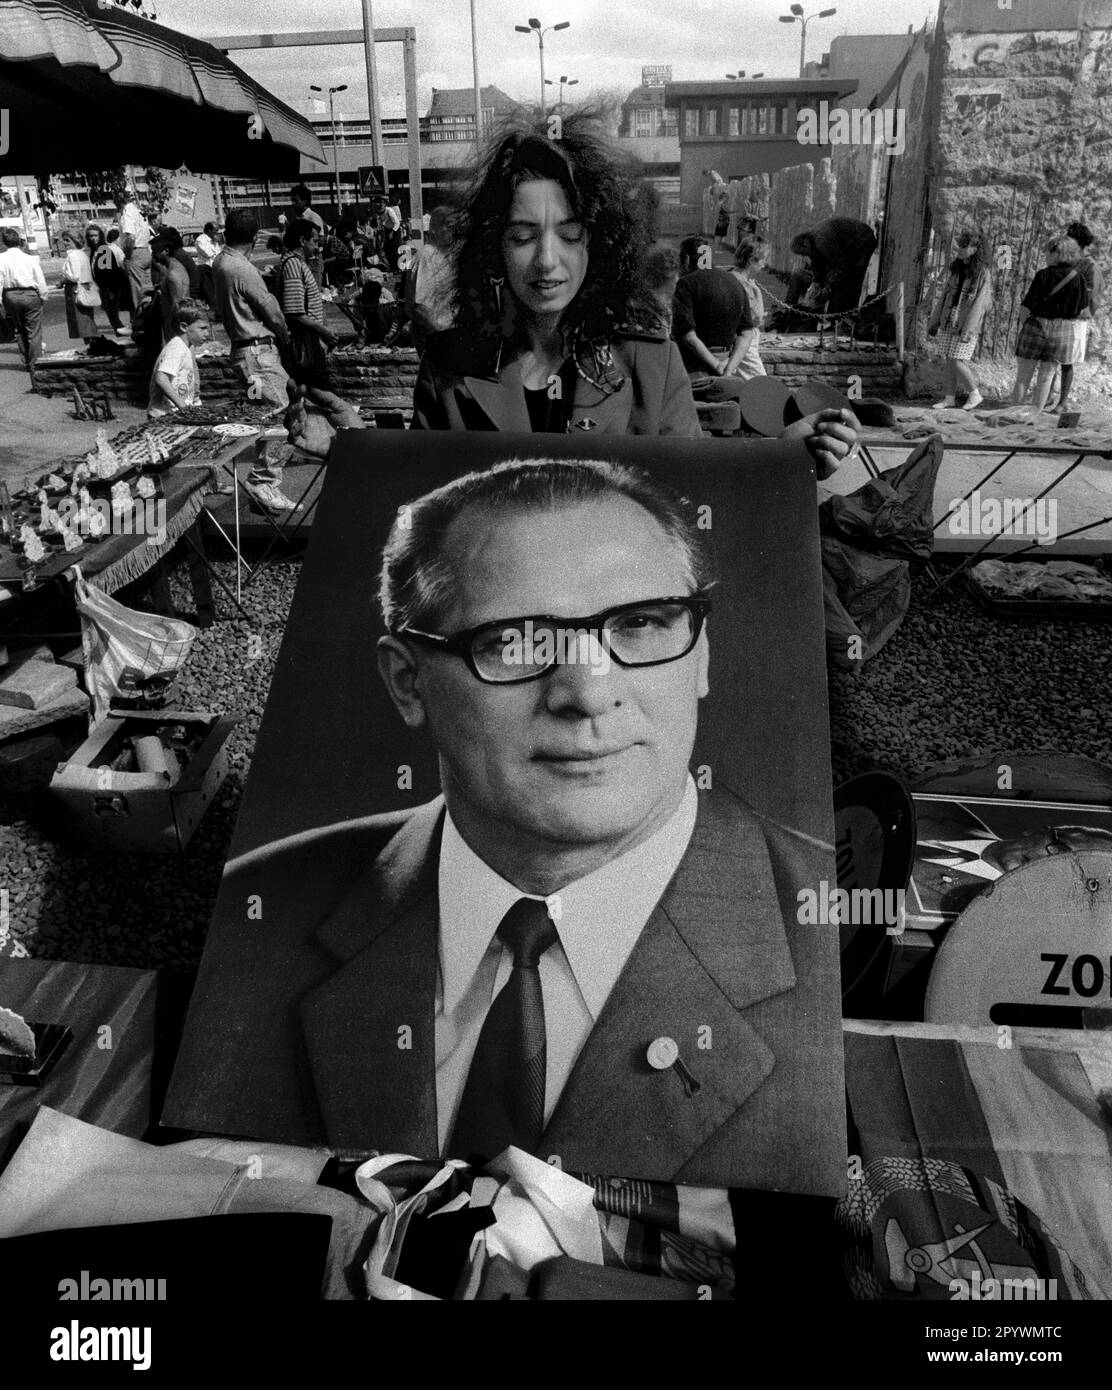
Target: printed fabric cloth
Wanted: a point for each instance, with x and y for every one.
(976, 1164)
(535, 1219)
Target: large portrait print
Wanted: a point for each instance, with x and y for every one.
(541, 783)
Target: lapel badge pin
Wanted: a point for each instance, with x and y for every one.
(663, 1054)
(586, 424)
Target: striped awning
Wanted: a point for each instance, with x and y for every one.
(83, 83)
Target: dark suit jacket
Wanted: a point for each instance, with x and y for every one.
(461, 387)
(314, 1023)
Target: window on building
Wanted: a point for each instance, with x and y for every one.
(643, 122)
(670, 122)
(691, 123)
(762, 120)
(711, 127)
(734, 128)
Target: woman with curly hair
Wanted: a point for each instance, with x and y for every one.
(551, 331)
(552, 327)
(959, 315)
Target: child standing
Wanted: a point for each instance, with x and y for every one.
(175, 381)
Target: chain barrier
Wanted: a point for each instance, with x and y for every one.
(826, 316)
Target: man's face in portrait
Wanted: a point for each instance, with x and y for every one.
(588, 754)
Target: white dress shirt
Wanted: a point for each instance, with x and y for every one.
(598, 918)
(207, 249)
(19, 271)
(133, 223)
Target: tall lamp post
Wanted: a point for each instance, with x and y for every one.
(478, 89)
(564, 82)
(332, 118)
(797, 17)
(534, 27)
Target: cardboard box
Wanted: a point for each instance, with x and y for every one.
(138, 811)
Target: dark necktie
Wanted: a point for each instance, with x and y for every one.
(503, 1100)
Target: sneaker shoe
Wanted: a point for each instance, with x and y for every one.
(949, 403)
(973, 400)
(267, 496)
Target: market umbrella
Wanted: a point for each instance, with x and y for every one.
(86, 87)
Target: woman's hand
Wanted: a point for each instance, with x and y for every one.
(830, 435)
(313, 430)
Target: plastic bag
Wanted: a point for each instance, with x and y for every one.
(125, 650)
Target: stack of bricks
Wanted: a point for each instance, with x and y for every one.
(127, 378)
(374, 379)
(879, 373)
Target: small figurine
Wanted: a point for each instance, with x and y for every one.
(122, 501)
(91, 518)
(106, 461)
(34, 552)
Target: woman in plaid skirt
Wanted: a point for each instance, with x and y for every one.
(959, 314)
(1052, 333)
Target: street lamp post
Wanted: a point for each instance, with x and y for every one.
(332, 120)
(797, 17)
(534, 27)
(478, 89)
(564, 82)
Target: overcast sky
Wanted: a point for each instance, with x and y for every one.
(605, 47)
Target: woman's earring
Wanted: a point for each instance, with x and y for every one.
(496, 285)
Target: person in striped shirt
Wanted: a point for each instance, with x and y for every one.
(301, 303)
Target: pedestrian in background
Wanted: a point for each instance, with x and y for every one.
(662, 273)
(22, 292)
(111, 278)
(838, 252)
(709, 311)
(429, 284)
(135, 241)
(744, 360)
(253, 321)
(1050, 334)
(300, 297)
(1090, 272)
(207, 248)
(958, 316)
(301, 200)
(173, 282)
(82, 296)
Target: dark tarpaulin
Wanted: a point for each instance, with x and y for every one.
(93, 88)
(868, 539)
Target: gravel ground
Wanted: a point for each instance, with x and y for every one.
(149, 910)
(953, 682)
